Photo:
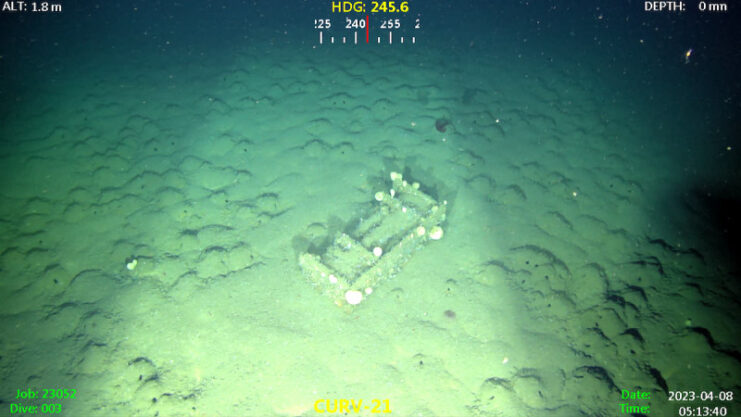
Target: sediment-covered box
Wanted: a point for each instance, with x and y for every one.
(403, 220)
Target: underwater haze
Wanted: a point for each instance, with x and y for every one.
(422, 208)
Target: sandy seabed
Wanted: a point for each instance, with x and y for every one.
(562, 279)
